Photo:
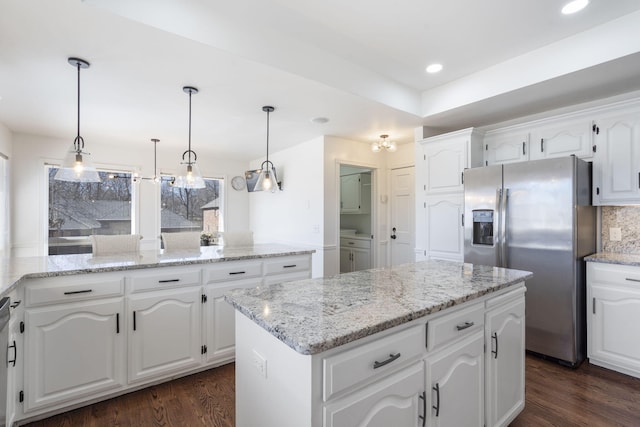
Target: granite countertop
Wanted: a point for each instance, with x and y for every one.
(315, 315)
(14, 269)
(614, 258)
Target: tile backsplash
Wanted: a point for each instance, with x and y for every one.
(627, 219)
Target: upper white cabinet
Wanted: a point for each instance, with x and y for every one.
(440, 163)
(505, 147)
(355, 193)
(616, 162)
(613, 313)
(561, 139)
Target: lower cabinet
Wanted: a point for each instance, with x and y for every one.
(355, 254)
(613, 313)
(164, 333)
(455, 376)
(397, 400)
(73, 351)
(504, 360)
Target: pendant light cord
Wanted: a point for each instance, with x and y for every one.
(268, 139)
(78, 140)
(190, 92)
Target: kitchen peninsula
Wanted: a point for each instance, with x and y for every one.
(430, 343)
(87, 328)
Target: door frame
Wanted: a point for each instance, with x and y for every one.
(374, 207)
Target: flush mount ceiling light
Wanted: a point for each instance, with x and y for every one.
(267, 179)
(574, 6)
(77, 166)
(188, 172)
(434, 68)
(384, 145)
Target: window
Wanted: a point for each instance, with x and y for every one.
(192, 209)
(80, 209)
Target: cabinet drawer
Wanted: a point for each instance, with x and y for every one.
(287, 265)
(614, 273)
(355, 243)
(62, 289)
(232, 271)
(368, 361)
(455, 325)
(161, 278)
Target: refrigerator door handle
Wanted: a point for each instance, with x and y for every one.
(504, 201)
(498, 233)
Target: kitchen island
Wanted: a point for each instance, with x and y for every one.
(429, 343)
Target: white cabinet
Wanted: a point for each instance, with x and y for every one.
(15, 349)
(455, 379)
(440, 163)
(504, 363)
(164, 332)
(616, 162)
(355, 254)
(74, 347)
(355, 193)
(506, 147)
(613, 313)
(445, 229)
(561, 138)
(397, 400)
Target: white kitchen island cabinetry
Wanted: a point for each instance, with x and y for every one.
(74, 339)
(613, 313)
(309, 361)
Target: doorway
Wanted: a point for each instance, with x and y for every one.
(402, 216)
(356, 218)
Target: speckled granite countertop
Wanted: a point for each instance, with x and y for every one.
(13, 270)
(315, 315)
(614, 258)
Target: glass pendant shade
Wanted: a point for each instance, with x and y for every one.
(77, 167)
(189, 176)
(268, 180)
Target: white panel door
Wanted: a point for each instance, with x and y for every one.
(402, 215)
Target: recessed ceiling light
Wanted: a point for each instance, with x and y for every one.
(320, 120)
(434, 68)
(574, 6)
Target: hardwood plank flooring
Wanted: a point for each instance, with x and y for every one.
(555, 396)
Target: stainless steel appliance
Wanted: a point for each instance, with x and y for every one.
(537, 216)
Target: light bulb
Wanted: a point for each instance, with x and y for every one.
(267, 183)
(375, 147)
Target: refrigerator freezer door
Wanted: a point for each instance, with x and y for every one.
(482, 187)
(540, 233)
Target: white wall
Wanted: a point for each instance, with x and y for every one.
(293, 216)
(29, 210)
(5, 197)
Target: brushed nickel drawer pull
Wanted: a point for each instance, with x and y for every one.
(391, 358)
(464, 326)
(84, 291)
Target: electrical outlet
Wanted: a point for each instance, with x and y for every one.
(260, 363)
(615, 234)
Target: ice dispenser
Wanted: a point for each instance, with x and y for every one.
(483, 227)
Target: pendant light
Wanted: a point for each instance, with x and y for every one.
(188, 172)
(77, 166)
(268, 179)
(384, 145)
(156, 178)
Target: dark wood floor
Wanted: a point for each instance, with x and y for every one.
(556, 396)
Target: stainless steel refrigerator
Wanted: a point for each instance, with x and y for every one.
(537, 216)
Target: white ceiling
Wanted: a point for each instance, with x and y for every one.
(359, 63)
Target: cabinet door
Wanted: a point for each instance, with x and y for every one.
(164, 333)
(616, 163)
(506, 147)
(614, 338)
(219, 320)
(505, 362)
(346, 265)
(445, 231)
(396, 400)
(361, 259)
(73, 351)
(569, 138)
(350, 194)
(455, 394)
(444, 163)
